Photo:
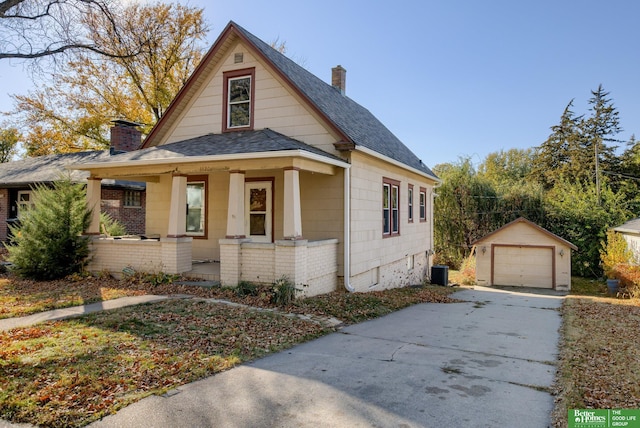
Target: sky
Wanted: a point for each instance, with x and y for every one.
(450, 78)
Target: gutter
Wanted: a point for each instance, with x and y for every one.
(347, 230)
(208, 158)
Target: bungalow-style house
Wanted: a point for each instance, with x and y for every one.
(268, 171)
(121, 199)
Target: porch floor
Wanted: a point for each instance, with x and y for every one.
(209, 270)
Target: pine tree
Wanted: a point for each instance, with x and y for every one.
(48, 243)
(556, 157)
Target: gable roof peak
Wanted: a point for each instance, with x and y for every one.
(354, 124)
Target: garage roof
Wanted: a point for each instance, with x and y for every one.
(532, 224)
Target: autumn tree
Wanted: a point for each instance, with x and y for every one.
(9, 138)
(74, 110)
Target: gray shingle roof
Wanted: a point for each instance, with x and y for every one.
(632, 226)
(264, 140)
(355, 121)
(49, 168)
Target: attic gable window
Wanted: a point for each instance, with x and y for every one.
(239, 90)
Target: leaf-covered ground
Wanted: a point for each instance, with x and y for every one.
(599, 365)
(68, 373)
(20, 297)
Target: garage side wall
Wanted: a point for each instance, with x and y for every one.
(523, 236)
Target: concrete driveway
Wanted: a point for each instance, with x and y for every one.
(488, 362)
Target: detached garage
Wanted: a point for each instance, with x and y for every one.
(522, 253)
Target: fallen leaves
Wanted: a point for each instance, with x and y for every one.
(600, 359)
(94, 365)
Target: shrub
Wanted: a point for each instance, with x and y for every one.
(284, 292)
(613, 253)
(48, 243)
(246, 288)
(468, 270)
(110, 226)
(629, 276)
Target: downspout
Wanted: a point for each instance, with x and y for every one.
(347, 230)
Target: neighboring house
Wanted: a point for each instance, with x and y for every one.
(521, 253)
(123, 200)
(631, 233)
(261, 166)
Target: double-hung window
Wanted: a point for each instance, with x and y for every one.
(132, 198)
(197, 206)
(423, 204)
(390, 207)
(238, 99)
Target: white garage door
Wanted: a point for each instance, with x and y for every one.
(524, 266)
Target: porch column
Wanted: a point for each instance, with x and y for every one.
(93, 203)
(235, 207)
(292, 216)
(178, 209)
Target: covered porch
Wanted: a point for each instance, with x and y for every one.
(247, 224)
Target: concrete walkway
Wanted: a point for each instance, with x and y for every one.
(486, 363)
(74, 311)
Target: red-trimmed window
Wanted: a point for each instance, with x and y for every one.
(239, 90)
(390, 207)
(410, 204)
(423, 204)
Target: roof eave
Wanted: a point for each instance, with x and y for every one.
(380, 156)
(213, 158)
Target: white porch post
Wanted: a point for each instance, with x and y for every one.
(235, 208)
(93, 203)
(292, 216)
(178, 209)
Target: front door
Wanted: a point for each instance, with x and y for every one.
(258, 215)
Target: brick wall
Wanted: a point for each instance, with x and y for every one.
(113, 255)
(312, 265)
(258, 262)
(133, 218)
(4, 213)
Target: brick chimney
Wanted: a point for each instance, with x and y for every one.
(125, 136)
(339, 78)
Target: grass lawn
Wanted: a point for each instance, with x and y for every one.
(19, 297)
(69, 373)
(599, 364)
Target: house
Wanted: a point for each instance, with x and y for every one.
(521, 253)
(121, 199)
(267, 171)
(631, 233)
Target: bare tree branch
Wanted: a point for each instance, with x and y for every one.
(35, 29)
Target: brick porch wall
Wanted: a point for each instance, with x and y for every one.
(133, 218)
(169, 255)
(311, 265)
